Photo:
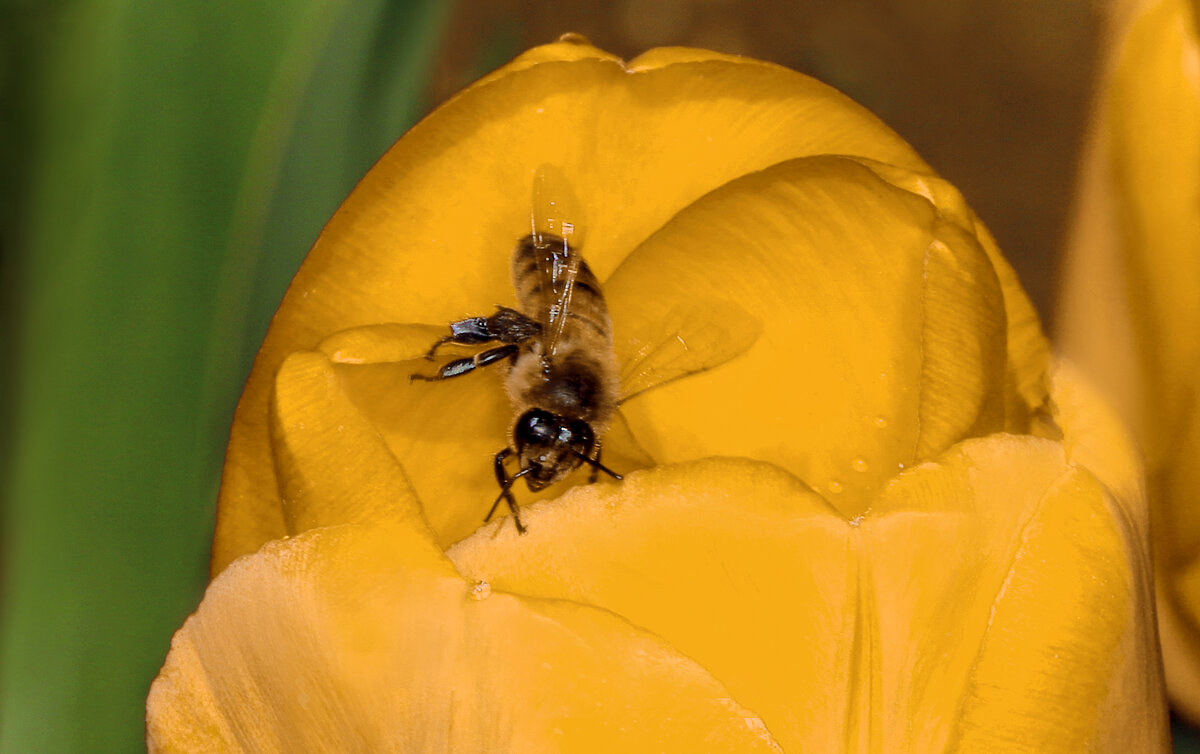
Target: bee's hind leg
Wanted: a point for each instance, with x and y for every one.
(462, 366)
(506, 483)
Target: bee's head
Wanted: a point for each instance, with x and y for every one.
(551, 446)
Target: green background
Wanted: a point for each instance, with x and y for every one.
(167, 166)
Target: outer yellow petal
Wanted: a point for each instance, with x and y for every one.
(1150, 136)
(1156, 148)
(363, 639)
(990, 601)
(1155, 135)
(1131, 304)
(426, 236)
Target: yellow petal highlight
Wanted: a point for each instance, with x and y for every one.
(380, 344)
(987, 601)
(660, 57)
(361, 638)
(426, 236)
(823, 253)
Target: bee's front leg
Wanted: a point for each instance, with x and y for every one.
(592, 477)
(593, 459)
(505, 482)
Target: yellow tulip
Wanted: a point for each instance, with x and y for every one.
(1130, 311)
(884, 524)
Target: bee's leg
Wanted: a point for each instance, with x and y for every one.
(592, 477)
(440, 342)
(506, 325)
(511, 326)
(469, 364)
(471, 331)
(593, 460)
(505, 482)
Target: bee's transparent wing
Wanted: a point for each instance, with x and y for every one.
(556, 221)
(558, 267)
(691, 338)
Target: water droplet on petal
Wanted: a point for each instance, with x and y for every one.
(881, 421)
(835, 487)
(482, 590)
(859, 464)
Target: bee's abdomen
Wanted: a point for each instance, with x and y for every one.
(587, 306)
(575, 386)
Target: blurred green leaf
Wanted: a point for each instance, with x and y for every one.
(181, 157)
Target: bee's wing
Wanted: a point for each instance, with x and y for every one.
(558, 266)
(691, 338)
(556, 220)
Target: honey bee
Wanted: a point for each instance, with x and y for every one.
(563, 379)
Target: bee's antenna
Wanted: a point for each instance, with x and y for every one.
(504, 491)
(597, 465)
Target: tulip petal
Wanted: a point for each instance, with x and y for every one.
(661, 57)
(374, 442)
(380, 344)
(1071, 575)
(426, 236)
(358, 638)
(1178, 549)
(1095, 438)
(444, 435)
(1155, 151)
(1152, 114)
(331, 464)
(987, 595)
(823, 253)
(1028, 350)
(1130, 314)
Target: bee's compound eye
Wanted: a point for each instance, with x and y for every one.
(581, 436)
(535, 426)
